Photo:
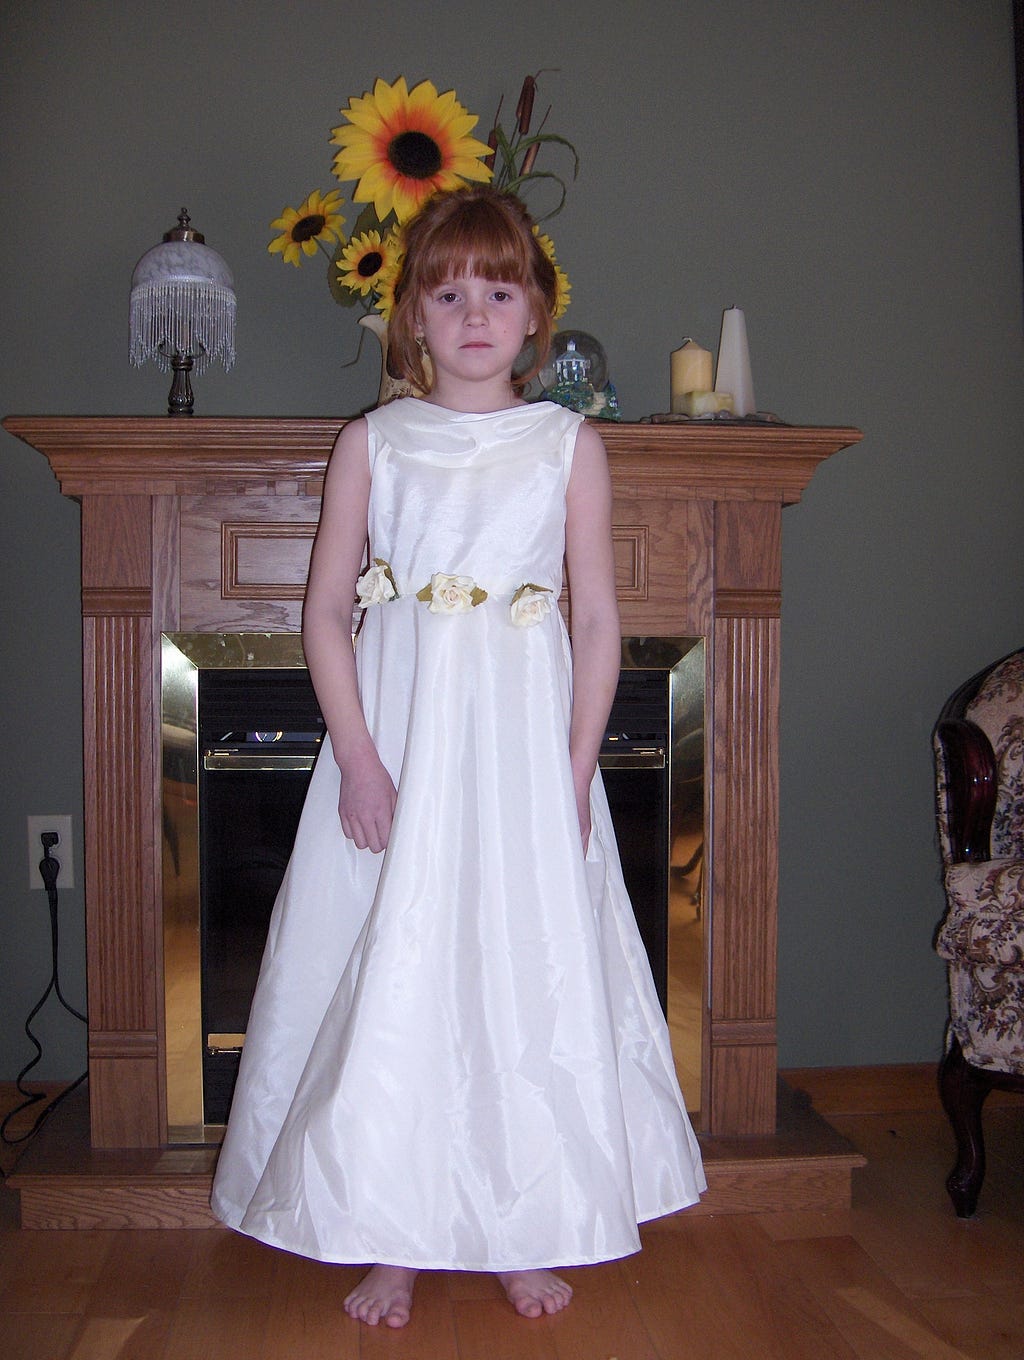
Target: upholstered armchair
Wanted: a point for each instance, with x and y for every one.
(979, 759)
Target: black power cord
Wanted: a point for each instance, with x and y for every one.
(49, 868)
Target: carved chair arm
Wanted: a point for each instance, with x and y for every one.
(970, 767)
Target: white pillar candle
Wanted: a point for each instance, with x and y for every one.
(691, 371)
(734, 363)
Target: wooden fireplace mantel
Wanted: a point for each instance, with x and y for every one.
(205, 524)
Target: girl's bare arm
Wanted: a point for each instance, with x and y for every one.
(596, 638)
(367, 800)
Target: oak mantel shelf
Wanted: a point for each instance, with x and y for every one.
(154, 454)
(205, 525)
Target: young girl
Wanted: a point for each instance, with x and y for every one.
(456, 1058)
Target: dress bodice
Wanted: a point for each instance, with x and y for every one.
(475, 494)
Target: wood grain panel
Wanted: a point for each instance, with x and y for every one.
(133, 1205)
(700, 571)
(630, 545)
(124, 1102)
(743, 1090)
(244, 562)
(748, 546)
(166, 592)
(746, 819)
(265, 561)
(656, 600)
(118, 807)
(744, 874)
(115, 542)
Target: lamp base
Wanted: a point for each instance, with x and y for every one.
(180, 401)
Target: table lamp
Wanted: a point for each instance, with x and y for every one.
(182, 310)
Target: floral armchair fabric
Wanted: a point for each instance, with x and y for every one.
(982, 937)
(979, 760)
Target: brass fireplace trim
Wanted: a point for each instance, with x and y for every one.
(183, 657)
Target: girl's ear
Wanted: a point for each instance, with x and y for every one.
(532, 327)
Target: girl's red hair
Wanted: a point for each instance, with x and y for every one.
(479, 232)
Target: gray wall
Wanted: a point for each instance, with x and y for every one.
(846, 172)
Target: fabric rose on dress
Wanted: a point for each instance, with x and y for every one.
(529, 605)
(451, 594)
(376, 585)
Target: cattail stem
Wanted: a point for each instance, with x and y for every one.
(524, 109)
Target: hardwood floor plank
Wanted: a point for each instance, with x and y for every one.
(218, 1327)
(225, 1262)
(39, 1336)
(307, 1320)
(987, 1333)
(143, 1272)
(491, 1329)
(50, 1272)
(904, 1219)
(602, 1319)
(804, 1223)
(469, 1284)
(918, 1338)
(875, 1318)
(875, 1090)
(127, 1338)
(724, 1294)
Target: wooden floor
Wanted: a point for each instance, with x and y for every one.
(897, 1277)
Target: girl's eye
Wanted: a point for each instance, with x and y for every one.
(447, 297)
(501, 296)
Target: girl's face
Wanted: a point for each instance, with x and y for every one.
(474, 328)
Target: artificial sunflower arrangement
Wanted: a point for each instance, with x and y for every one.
(401, 146)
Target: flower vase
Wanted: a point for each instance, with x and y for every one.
(390, 386)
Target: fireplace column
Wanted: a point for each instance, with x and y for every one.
(125, 1083)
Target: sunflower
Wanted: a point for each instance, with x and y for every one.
(385, 290)
(366, 259)
(562, 284)
(301, 228)
(402, 145)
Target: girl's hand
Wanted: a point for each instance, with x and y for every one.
(366, 804)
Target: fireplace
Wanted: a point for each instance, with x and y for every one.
(240, 731)
(205, 526)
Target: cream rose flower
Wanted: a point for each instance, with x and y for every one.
(376, 585)
(529, 605)
(451, 594)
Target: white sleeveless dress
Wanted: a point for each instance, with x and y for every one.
(456, 1058)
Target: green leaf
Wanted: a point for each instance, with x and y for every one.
(514, 186)
(369, 221)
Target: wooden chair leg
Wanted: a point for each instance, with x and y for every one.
(963, 1089)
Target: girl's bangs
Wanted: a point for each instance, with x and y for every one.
(485, 248)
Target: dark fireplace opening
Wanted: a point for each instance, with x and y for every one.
(259, 732)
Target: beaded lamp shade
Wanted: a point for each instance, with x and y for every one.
(182, 310)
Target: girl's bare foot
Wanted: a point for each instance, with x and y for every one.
(533, 1292)
(384, 1294)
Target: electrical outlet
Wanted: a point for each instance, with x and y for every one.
(63, 851)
